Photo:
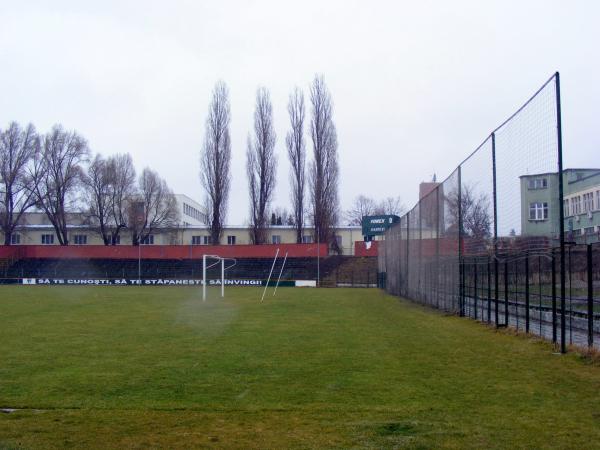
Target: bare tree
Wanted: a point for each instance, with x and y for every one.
(122, 176)
(281, 216)
(366, 206)
(475, 213)
(390, 206)
(261, 164)
(109, 185)
(18, 148)
(97, 182)
(296, 148)
(57, 175)
(362, 206)
(215, 160)
(324, 168)
(154, 206)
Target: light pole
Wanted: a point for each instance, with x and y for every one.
(318, 257)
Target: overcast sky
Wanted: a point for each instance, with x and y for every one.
(416, 85)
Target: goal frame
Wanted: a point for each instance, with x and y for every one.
(205, 281)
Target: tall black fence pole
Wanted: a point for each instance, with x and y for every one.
(496, 291)
(421, 292)
(561, 214)
(590, 297)
(406, 283)
(437, 247)
(554, 338)
(461, 275)
(540, 292)
(489, 291)
(401, 263)
(495, 200)
(526, 293)
(475, 288)
(516, 292)
(506, 293)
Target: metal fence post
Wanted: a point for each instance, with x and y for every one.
(489, 291)
(590, 297)
(516, 281)
(420, 290)
(437, 247)
(475, 288)
(526, 293)
(561, 215)
(495, 202)
(400, 273)
(540, 292)
(554, 337)
(406, 283)
(506, 293)
(461, 269)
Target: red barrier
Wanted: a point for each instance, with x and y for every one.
(362, 248)
(161, 251)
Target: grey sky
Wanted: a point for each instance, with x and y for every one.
(416, 85)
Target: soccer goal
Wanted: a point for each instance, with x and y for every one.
(219, 266)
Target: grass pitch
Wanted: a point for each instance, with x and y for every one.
(311, 368)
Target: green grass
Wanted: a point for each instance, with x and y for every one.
(123, 367)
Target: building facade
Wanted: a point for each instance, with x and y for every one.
(191, 212)
(581, 206)
(36, 230)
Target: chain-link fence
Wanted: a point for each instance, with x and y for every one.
(489, 241)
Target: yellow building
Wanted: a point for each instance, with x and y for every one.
(36, 230)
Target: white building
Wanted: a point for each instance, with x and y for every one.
(191, 212)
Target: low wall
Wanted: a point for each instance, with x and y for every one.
(362, 248)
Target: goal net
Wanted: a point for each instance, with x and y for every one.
(214, 270)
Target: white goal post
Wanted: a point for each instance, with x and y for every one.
(219, 260)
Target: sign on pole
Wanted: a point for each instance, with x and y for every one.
(377, 225)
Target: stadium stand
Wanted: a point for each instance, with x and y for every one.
(345, 268)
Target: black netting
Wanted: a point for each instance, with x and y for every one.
(486, 242)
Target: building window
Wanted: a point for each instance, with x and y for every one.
(148, 240)
(307, 239)
(196, 240)
(588, 230)
(230, 240)
(576, 205)
(193, 212)
(538, 183)
(566, 210)
(538, 211)
(206, 240)
(597, 200)
(47, 239)
(80, 239)
(276, 239)
(588, 202)
(15, 239)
